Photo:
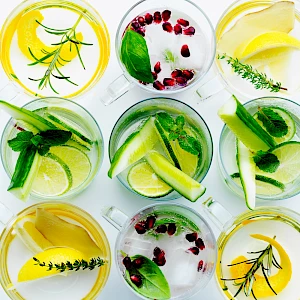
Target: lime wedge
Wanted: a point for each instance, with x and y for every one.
(53, 178)
(145, 182)
(77, 161)
(182, 183)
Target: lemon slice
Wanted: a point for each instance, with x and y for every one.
(267, 41)
(77, 161)
(53, 178)
(31, 271)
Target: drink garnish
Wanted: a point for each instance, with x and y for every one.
(266, 161)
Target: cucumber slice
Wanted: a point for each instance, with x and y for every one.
(27, 166)
(179, 181)
(20, 113)
(134, 148)
(77, 145)
(264, 185)
(289, 121)
(246, 167)
(244, 126)
(27, 126)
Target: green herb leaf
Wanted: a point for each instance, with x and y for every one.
(55, 137)
(43, 149)
(154, 284)
(135, 56)
(267, 162)
(180, 122)
(170, 57)
(173, 136)
(189, 144)
(21, 141)
(273, 122)
(166, 121)
(37, 140)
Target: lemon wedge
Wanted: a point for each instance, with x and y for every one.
(31, 271)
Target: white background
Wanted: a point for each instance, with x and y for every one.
(104, 191)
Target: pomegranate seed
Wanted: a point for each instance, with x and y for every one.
(127, 262)
(171, 229)
(191, 237)
(140, 228)
(142, 82)
(136, 279)
(167, 27)
(200, 244)
(169, 81)
(200, 265)
(166, 15)
(183, 22)
(19, 128)
(148, 18)
(185, 51)
(177, 29)
(160, 261)
(150, 222)
(141, 31)
(194, 250)
(181, 80)
(157, 17)
(161, 229)
(141, 20)
(176, 73)
(205, 267)
(158, 85)
(157, 68)
(189, 31)
(187, 74)
(137, 263)
(157, 251)
(135, 25)
(154, 75)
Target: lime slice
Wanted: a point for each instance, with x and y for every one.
(77, 161)
(53, 178)
(288, 120)
(288, 154)
(145, 182)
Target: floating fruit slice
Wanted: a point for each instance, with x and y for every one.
(31, 271)
(144, 181)
(244, 126)
(134, 148)
(277, 17)
(182, 183)
(64, 234)
(53, 178)
(77, 161)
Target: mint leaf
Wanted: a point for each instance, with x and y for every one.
(189, 144)
(43, 149)
(166, 121)
(180, 122)
(272, 121)
(21, 141)
(55, 137)
(267, 162)
(173, 136)
(135, 56)
(37, 140)
(170, 57)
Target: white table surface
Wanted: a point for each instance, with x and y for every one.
(104, 191)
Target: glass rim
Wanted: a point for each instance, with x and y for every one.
(221, 160)
(100, 142)
(166, 92)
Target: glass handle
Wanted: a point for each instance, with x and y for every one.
(115, 217)
(5, 215)
(116, 89)
(210, 88)
(217, 213)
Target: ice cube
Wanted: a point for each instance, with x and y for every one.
(133, 246)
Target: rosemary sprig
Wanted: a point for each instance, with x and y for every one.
(246, 282)
(75, 266)
(258, 79)
(67, 35)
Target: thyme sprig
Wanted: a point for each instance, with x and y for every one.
(75, 266)
(258, 79)
(264, 261)
(67, 35)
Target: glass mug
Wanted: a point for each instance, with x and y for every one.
(186, 272)
(83, 284)
(70, 78)
(185, 9)
(279, 223)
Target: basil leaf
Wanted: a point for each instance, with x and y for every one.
(21, 141)
(267, 162)
(154, 284)
(135, 56)
(55, 137)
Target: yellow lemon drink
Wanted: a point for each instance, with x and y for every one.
(49, 48)
(53, 233)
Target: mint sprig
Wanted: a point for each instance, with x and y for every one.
(265, 161)
(21, 141)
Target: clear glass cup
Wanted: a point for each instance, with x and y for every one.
(227, 150)
(59, 15)
(225, 78)
(76, 115)
(133, 116)
(235, 240)
(78, 285)
(188, 9)
(126, 224)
